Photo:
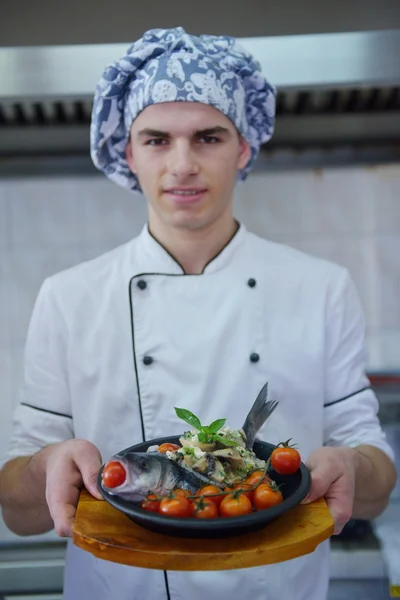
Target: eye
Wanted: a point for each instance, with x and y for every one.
(143, 464)
(209, 139)
(156, 142)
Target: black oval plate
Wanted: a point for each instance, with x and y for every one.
(294, 489)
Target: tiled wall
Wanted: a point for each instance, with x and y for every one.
(351, 216)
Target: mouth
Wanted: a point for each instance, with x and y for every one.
(185, 196)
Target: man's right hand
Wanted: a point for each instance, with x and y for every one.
(69, 466)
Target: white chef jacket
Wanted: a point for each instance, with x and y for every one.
(115, 343)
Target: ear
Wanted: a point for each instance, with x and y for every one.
(129, 156)
(244, 153)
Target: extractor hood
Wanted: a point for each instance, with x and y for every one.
(334, 91)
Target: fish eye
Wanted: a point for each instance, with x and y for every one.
(143, 464)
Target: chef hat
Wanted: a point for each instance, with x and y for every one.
(169, 65)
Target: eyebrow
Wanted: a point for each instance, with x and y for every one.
(147, 132)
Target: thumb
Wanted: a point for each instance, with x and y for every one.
(90, 482)
(319, 485)
(89, 464)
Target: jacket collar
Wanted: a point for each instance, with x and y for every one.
(156, 259)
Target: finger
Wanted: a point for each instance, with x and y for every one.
(62, 501)
(339, 499)
(64, 520)
(89, 465)
(90, 482)
(321, 479)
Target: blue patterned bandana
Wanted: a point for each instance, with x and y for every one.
(169, 65)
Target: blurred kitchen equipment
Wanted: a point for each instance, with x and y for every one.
(338, 93)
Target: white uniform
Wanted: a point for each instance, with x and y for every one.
(115, 343)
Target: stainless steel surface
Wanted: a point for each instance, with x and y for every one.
(33, 597)
(35, 569)
(376, 589)
(319, 60)
(392, 432)
(357, 564)
(333, 90)
(329, 60)
(340, 128)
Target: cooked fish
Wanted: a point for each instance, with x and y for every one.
(153, 472)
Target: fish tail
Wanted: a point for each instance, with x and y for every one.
(261, 410)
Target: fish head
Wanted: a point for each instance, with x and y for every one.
(137, 474)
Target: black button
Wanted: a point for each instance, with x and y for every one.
(147, 360)
(254, 357)
(251, 283)
(142, 284)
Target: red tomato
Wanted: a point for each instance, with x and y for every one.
(113, 474)
(185, 494)
(234, 506)
(205, 509)
(265, 496)
(211, 490)
(285, 461)
(246, 488)
(176, 506)
(255, 477)
(151, 503)
(168, 447)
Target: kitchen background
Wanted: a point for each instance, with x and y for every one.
(55, 211)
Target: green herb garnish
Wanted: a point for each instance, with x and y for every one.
(189, 417)
(188, 450)
(224, 440)
(206, 433)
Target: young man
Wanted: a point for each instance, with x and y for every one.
(195, 312)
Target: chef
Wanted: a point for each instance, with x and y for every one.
(195, 312)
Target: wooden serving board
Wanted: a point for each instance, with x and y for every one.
(107, 533)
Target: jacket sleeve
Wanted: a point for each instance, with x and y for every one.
(351, 406)
(44, 414)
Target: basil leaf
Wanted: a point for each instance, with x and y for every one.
(189, 417)
(216, 425)
(223, 440)
(203, 437)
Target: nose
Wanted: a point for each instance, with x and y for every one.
(183, 162)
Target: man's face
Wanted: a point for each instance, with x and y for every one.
(186, 156)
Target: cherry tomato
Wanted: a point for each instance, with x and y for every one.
(151, 503)
(285, 460)
(168, 447)
(234, 506)
(185, 494)
(265, 496)
(176, 506)
(255, 477)
(210, 490)
(246, 488)
(114, 474)
(205, 509)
